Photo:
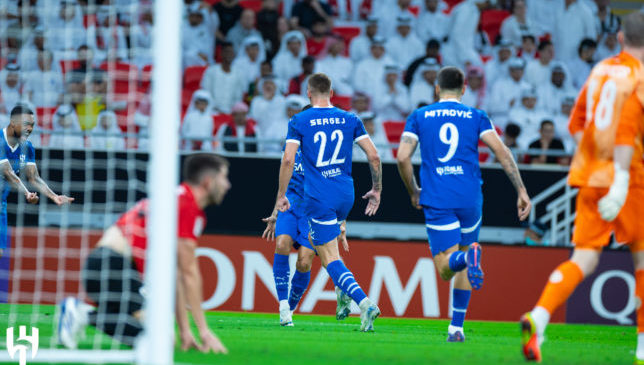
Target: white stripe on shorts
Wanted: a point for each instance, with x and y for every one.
(473, 228)
(326, 223)
(445, 227)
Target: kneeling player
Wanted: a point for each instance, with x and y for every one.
(112, 274)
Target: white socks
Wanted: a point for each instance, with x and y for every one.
(453, 329)
(639, 353)
(541, 318)
(364, 304)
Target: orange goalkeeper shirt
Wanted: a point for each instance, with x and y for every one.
(609, 111)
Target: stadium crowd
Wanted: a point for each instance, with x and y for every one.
(86, 66)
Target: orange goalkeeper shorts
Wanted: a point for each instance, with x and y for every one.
(592, 232)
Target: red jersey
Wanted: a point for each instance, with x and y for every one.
(132, 223)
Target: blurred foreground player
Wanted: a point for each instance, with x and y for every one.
(17, 153)
(112, 274)
(608, 123)
(326, 136)
(448, 133)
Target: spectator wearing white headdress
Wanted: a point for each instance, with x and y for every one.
(225, 84)
(66, 130)
(359, 48)
(561, 118)
(555, 89)
(475, 94)
(141, 37)
(432, 22)
(460, 48)
(65, 29)
(198, 125)
(338, 67)
(404, 46)
(240, 127)
(539, 69)
(391, 99)
(526, 115)
(388, 13)
(573, 23)
(516, 24)
(608, 44)
(378, 136)
(249, 59)
(423, 87)
(44, 87)
(38, 41)
(506, 92)
(497, 67)
(370, 72)
(107, 36)
(541, 15)
(288, 61)
(244, 28)
(10, 87)
(107, 135)
(269, 111)
(198, 40)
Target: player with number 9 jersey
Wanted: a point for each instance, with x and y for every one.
(326, 137)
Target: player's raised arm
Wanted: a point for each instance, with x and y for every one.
(191, 279)
(34, 179)
(376, 175)
(408, 144)
(503, 154)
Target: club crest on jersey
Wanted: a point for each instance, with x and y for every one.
(23, 159)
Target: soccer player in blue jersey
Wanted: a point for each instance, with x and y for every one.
(448, 133)
(326, 135)
(292, 230)
(16, 154)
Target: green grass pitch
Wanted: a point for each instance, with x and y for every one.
(254, 338)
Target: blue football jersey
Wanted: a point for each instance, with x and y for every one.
(295, 191)
(448, 133)
(18, 156)
(326, 137)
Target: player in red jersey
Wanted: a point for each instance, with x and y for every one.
(113, 271)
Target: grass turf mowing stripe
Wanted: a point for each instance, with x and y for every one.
(257, 338)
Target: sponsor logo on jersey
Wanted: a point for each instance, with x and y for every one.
(448, 113)
(298, 168)
(327, 121)
(331, 173)
(450, 170)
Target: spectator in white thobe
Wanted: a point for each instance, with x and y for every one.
(249, 59)
(460, 48)
(388, 13)
(527, 116)
(608, 44)
(391, 99)
(338, 67)
(288, 61)
(65, 30)
(378, 137)
(540, 13)
(10, 87)
(359, 49)
(423, 87)
(561, 119)
(583, 63)
(141, 38)
(66, 129)
(44, 87)
(432, 23)
(506, 92)
(550, 94)
(514, 26)
(475, 91)
(497, 67)
(244, 28)
(370, 72)
(107, 135)
(404, 46)
(28, 56)
(269, 111)
(107, 36)
(198, 39)
(539, 70)
(225, 84)
(573, 23)
(198, 126)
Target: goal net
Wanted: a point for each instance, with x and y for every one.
(105, 135)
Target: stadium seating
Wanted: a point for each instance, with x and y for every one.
(254, 5)
(146, 79)
(491, 21)
(341, 101)
(219, 120)
(122, 77)
(192, 77)
(347, 33)
(68, 65)
(393, 131)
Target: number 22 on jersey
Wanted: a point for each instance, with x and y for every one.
(320, 137)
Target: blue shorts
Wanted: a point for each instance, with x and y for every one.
(449, 227)
(294, 225)
(4, 229)
(325, 218)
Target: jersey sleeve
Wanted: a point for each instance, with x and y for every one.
(577, 120)
(359, 133)
(293, 135)
(191, 223)
(411, 127)
(485, 124)
(30, 155)
(631, 122)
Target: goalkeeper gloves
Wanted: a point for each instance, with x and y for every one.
(611, 203)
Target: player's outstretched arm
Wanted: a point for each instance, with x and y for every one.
(191, 280)
(34, 179)
(406, 169)
(376, 176)
(503, 154)
(286, 172)
(14, 180)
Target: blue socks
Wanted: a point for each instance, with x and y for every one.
(299, 283)
(457, 261)
(281, 274)
(343, 278)
(460, 301)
